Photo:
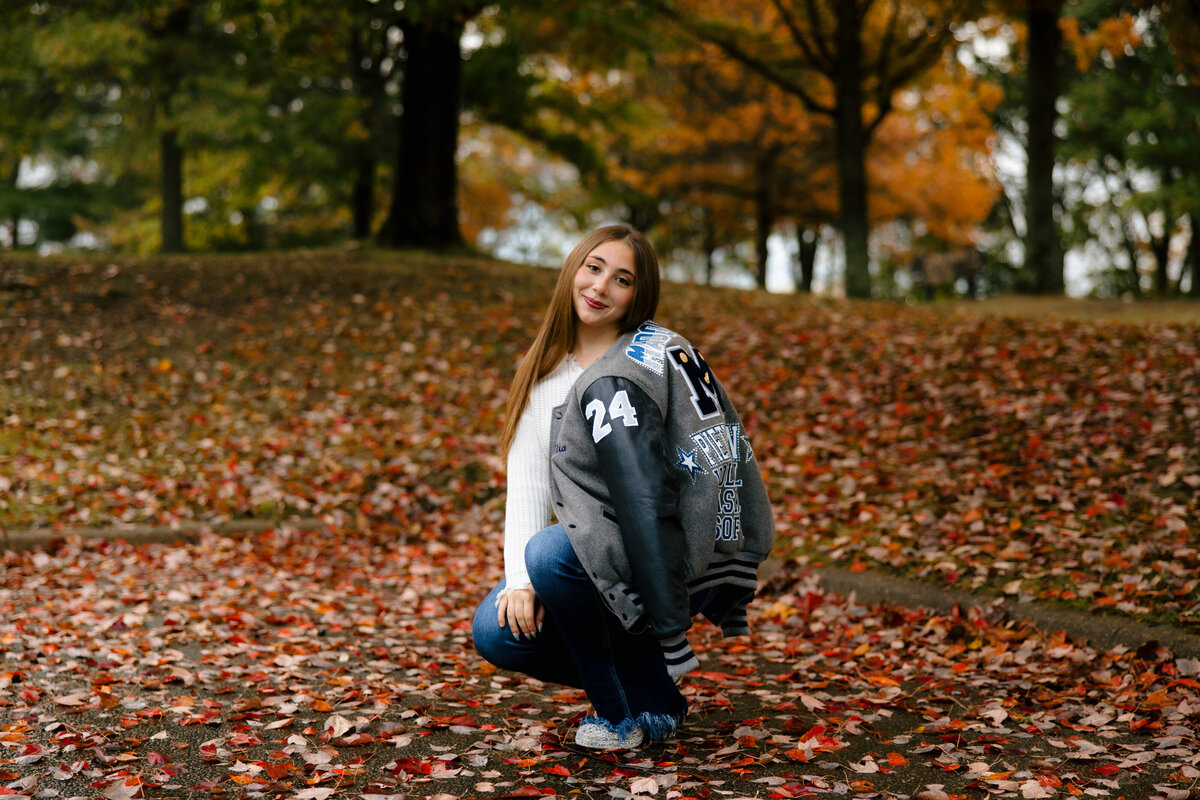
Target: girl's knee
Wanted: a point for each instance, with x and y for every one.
(484, 630)
(548, 556)
(537, 557)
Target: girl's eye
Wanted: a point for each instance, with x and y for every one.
(624, 282)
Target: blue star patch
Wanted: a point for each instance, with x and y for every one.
(687, 460)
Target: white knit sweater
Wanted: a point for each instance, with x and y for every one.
(527, 507)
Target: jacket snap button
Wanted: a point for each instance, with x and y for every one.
(558, 415)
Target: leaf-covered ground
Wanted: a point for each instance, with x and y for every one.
(1038, 457)
(339, 666)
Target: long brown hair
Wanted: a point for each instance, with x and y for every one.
(556, 337)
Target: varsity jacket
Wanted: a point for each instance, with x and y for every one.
(658, 489)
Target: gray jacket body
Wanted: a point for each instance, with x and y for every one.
(658, 488)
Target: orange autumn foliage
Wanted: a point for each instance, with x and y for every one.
(704, 141)
(724, 135)
(931, 159)
(1114, 37)
(499, 171)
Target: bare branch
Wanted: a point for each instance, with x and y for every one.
(821, 37)
(730, 47)
(915, 60)
(882, 108)
(818, 56)
(886, 45)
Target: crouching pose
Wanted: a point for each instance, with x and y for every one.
(618, 427)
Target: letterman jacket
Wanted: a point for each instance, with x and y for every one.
(658, 489)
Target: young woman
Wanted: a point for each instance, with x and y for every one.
(618, 427)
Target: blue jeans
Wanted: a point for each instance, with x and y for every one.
(583, 644)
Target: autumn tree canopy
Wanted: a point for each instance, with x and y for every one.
(712, 124)
(843, 59)
(1132, 124)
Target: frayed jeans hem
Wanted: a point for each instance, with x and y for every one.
(658, 727)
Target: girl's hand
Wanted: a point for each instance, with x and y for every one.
(521, 611)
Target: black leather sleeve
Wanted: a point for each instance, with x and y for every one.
(630, 438)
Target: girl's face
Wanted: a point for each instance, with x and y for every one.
(603, 289)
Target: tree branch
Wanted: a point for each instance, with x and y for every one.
(820, 60)
(886, 44)
(913, 62)
(730, 48)
(821, 37)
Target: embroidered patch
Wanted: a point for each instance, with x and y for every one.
(725, 448)
(723, 443)
(729, 503)
(699, 378)
(687, 460)
(719, 444)
(649, 345)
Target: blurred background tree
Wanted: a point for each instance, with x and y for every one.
(845, 60)
(1133, 153)
(848, 136)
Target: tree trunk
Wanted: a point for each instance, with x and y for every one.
(1043, 251)
(1134, 276)
(171, 187)
(710, 246)
(14, 212)
(642, 214)
(806, 260)
(364, 191)
(424, 211)
(363, 51)
(1193, 257)
(851, 151)
(764, 215)
(167, 31)
(1160, 246)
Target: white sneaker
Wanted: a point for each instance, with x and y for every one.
(595, 736)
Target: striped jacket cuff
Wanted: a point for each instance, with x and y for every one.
(735, 623)
(678, 655)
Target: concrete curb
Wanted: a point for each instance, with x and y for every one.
(34, 538)
(1099, 630)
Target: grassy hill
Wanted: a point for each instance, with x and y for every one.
(1043, 448)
